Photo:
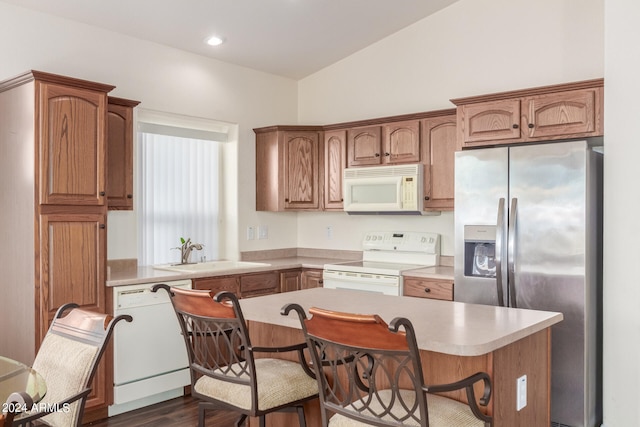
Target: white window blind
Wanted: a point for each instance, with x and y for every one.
(178, 188)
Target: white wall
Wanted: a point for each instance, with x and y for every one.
(470, 48)
(164, 79)
(621, 207)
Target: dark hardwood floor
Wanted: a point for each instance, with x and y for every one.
(179, 412)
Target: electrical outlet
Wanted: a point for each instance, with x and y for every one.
(263, 232)
(521, 392)
(251, 232)
(329, 232)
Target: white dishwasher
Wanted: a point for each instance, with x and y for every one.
(150, 362)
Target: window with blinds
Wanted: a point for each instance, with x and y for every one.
(179, 188)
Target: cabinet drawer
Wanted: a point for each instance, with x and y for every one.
(428, 288)
(259, 284)
(217, 284)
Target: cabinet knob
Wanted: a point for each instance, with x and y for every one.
(515, 126)
(129, 196)
(102, 226)
(286, 200)
(387, 154)
(427, 197)
(377, 154)
(102, 193)
(427, 290)
(320, 282)
(531, 125)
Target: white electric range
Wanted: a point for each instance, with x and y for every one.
(385, 255)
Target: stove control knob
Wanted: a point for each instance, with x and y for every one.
(368, 238)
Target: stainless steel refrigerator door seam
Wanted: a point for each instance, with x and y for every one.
(511, 257)
(498, 254)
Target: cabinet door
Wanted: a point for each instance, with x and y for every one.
(428, 288)
(301, 154)
(253, 285)
(311, 279)
(401, 142)
(566, 114)
(72, 269)
(218, 284)
(364, 146)
(439, 145)
(72, 145)
(290, 281)
(119, 156)
(335, 153)
(490, 121)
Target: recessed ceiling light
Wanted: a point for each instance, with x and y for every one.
(214, 41)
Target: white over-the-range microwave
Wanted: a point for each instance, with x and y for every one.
(384, 189)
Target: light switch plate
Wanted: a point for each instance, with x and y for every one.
(251, 232)
(521, 392)
(263, 232)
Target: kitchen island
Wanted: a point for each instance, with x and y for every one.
(455, 340)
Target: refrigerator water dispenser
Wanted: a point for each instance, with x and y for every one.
(480, 251)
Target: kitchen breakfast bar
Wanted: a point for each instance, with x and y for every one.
(455, 340)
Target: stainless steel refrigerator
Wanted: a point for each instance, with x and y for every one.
(528, 234)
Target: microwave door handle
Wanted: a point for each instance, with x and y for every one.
(500, 227)
(511, 262)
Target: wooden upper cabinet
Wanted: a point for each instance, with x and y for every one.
(335, 153)
(120, 153)
(439, 147)
(288, 168)
(491, 121)
(301, 153)
(364, 146)
(572, 110)
(391, 143)
(567, 113)
(72, 145)
(401, 142)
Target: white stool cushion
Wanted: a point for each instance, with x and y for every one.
(443, 412)
(279, 382)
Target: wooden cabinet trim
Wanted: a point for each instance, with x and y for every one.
(53, 78)
(390, 119)
(520, 93)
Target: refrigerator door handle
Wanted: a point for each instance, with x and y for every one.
(511, 254)
(500, 227)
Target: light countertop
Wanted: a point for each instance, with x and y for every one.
(441, 326)
(438, 272)
(148, 274)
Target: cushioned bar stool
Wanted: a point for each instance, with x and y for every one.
(224, 370)
(67, 360)
(370, 374)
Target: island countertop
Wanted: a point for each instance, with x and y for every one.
(453, 328)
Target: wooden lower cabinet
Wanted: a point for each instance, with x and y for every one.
(218, 284)
(428, 288)
(290, 280)
(311, 278)
(72, 268)
(253, 285)
(246, 285)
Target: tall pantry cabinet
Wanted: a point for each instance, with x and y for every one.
(53, 228)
